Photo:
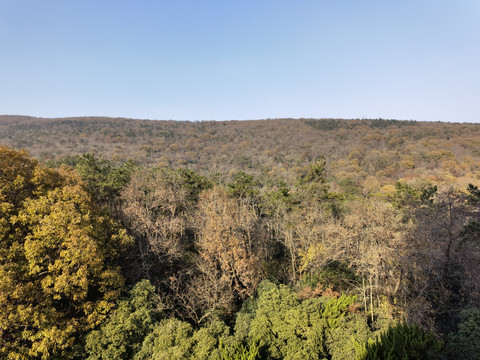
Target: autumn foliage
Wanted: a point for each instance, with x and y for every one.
(275, 239)
(59, 275)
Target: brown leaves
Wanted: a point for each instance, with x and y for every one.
(308, 293)
(225, 241)
(155, 204)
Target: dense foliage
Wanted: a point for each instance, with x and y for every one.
(370, 251)
(59, 274)
(403, 341)
(362, 156)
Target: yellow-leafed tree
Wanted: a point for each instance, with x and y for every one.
(58, 276)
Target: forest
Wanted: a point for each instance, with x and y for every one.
(266, 239)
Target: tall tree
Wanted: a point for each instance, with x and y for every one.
(447, 255)
(58, 251)
(226, 244)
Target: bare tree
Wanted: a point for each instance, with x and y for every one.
(225, 241)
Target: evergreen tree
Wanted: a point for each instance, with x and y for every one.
(403, 342)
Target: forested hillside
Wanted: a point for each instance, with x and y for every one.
(272, 239)
(361, 154)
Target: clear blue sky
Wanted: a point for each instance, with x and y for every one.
(241, 59)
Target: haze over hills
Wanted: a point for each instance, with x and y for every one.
(358, 152)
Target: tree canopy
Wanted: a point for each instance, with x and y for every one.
(59, 274)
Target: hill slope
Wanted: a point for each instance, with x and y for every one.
(358, 152)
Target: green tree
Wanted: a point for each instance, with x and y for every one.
(241, 352)
(409, 199)
(244, 186)
(122, 334)
(313, 184)
(287, 327)
(105, 180)
(173, 339)
(466, 341)
(403, 341)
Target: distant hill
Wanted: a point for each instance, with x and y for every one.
(360, 153)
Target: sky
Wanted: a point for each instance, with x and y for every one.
(249, 59)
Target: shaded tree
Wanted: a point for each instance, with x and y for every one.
(403, 341)
(465, 342)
